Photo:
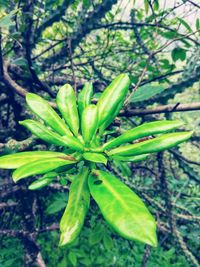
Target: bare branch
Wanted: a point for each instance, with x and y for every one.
(161, 109)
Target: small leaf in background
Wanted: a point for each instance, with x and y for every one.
(85, 262)
(63, 181)
(178, 53)
(185, 24)
(72, 258)
(107, 241)
(169, 34)
(156, 5)
(63, 262)
(197, 24)
(57, 203)
(20, 62)
(146, 6)
(86, 3)
(123, 168)
(6, 21)
(97, 234)
(146, 92)
(3, 4)
(165, 63)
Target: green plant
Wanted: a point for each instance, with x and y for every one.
(81, 140)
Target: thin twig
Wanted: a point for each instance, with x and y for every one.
(161, 109)
(71, 61)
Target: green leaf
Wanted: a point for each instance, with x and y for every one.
(97, 234)
(6, 21)
(17, 160)
(84, 97)
(51, 137)
(42, 132)
(111, 119)
(113, 96)
(123, 168)
(122, 208)
(131, 159)
(156, 5)
(144, 130)
(73, 218)
(40, 183)
(89, 123)
(20, 62)
(86, 3)
(66, 102)
(157, 144)
(146, 92)
(40, 167)
(197, 24)
(42, 109)
(178, 53)
(169, 34)
(107, 241)
(185, 24)
(72, 258)
(146, 6)
(95, 157)
(58, 203)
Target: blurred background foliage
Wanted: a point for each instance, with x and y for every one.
(45, 44)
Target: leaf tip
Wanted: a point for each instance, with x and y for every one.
(64, 239)
(21, 122)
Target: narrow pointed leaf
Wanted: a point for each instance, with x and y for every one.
(47, 135)
(17, 160)
(95, 157)
(130, 158)
(84, 97)
(42, 132)
(43, 110)
(112, 96)
(66, 102)
(89, 123)
(122, 208)
(40, 167)
(157, 144)
(143, 130)
(111, 118)
(73, 143)
(40, 183)
(73, 218)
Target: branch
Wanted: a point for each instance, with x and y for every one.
(56, 15)
(194, 4)
(4, 205)
(28, 12)
(121, 25)
(86, 26)
(177, 154)
(161, 109)
(13, 145)
(12, 84)
(16, 87)
(1, 57)
(177, 87)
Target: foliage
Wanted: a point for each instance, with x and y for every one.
(122, 208)
(48, 44)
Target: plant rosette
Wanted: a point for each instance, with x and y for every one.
(79, 133)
